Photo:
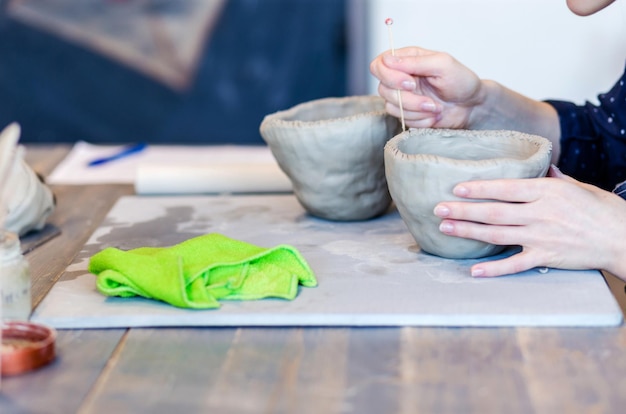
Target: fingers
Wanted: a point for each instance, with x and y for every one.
(555, 172)
(419, 111)
(513, 203)
(514, 264)
(412, 71)
(415, 102)
(507, 214)
(548, 217)
(391, 77)
(419, 62)
(488, 233)
(511, 190)
(400, 71)
(414, 119)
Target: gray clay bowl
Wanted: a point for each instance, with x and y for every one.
(332, 151)
(424, 165)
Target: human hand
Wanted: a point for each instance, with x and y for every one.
(558, 221)
(437, 91)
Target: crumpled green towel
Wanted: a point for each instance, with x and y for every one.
(200, 271)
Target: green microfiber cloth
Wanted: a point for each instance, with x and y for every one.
(199, 272)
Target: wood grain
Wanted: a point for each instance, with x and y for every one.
(61, 386)
(373, 370)
(43, 158)
(79, 211)
(308, 370)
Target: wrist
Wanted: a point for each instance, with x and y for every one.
(617, 264)
(615, 240)
(618, 270)
(483, 110)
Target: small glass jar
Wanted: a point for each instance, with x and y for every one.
(14, 279)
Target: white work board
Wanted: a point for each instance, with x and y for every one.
(370, 273)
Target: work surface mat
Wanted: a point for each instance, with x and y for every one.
(370, 273)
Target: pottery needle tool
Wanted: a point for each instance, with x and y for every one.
(389, 22)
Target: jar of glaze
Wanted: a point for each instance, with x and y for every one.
(14, 279)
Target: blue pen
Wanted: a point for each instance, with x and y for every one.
(124, 152)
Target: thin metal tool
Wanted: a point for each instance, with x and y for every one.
(389, 22)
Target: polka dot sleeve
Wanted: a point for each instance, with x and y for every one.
(593, 138)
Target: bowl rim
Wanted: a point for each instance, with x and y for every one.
(392, 147)
(278, 118)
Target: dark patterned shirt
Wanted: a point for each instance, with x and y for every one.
(593, 139)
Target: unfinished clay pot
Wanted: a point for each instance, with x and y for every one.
(28, 201)
(332, 151)
(424, 165)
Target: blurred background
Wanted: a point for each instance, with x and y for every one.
(165, 71)
(208, 71)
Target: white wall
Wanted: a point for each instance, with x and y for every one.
(537, 47)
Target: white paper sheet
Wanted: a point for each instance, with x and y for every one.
(174, 164)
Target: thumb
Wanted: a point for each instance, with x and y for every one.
(516, 263)
(418, 63)
(555, 172)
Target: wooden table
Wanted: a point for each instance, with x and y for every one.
(304, 370)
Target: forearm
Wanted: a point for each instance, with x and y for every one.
(503, 108)
(615, 242)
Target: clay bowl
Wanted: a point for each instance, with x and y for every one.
(423, 166)
(332, 151)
